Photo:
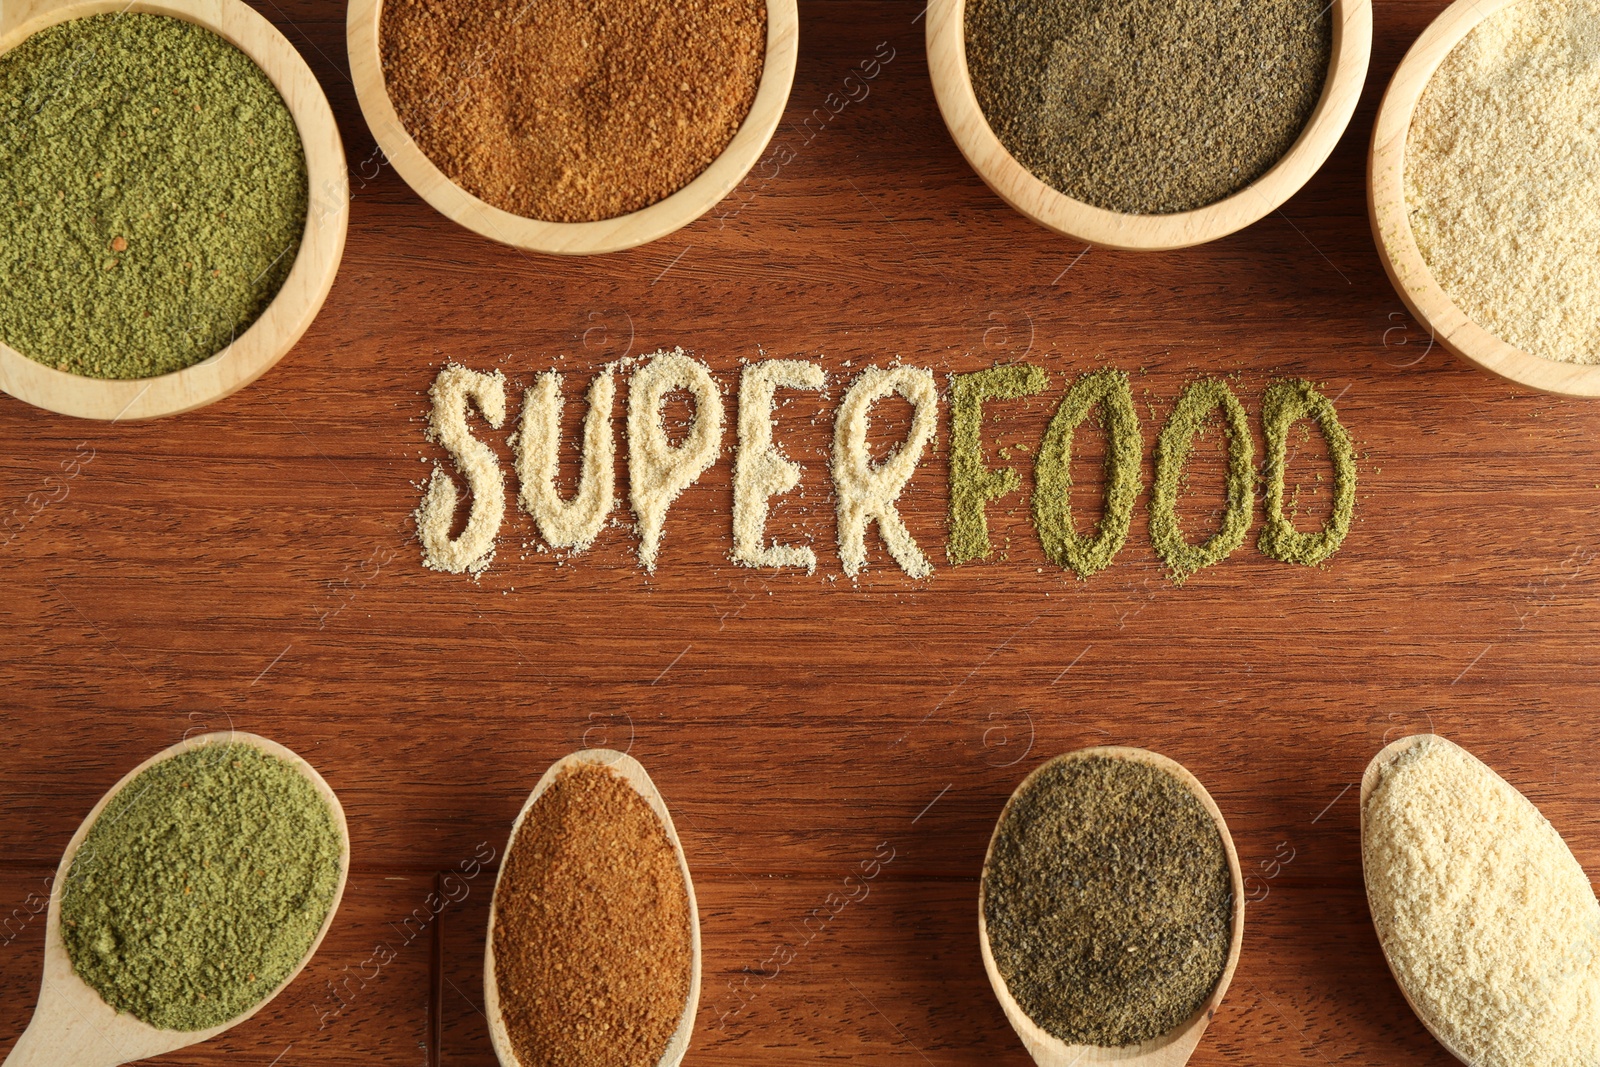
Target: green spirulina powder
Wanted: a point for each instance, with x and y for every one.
(1110, 391)
(1190, 417)
(1286, 403)
(972, 485)
(1108, 901)
(1148, 106)
(153, 194)
(201, 886)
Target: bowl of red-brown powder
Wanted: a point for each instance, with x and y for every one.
(593, 951)
(573, 126)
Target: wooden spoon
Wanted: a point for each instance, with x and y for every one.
(630, 769)
(72, 1026)
(1369, 782)
(1171, 1049)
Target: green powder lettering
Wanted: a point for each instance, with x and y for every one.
(1188, 419)
(1052, 495)
(972, 485)
(200, 886)
(153, 194)
(1285, 403)
(1108, 901)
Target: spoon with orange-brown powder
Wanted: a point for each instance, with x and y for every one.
(593, 951)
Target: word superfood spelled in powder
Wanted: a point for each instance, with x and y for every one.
(1487, 919)
(1108, 901)
(1502, 177)
(592, 931)
(153, 195)
(573, 110)
(200, 886)
(1148, 106)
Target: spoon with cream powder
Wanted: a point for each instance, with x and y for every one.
(238, 850)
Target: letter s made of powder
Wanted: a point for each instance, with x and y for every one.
(447, 425)
(866, 492)
(761, 472)
(658, 471)
(571, 523)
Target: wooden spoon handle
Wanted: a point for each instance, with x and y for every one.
(58, 1037)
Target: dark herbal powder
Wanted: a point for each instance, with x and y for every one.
(1108, 901)
(152, 195)
(1052, 496)
(1286, 403)
(1189, 419)
(972, 485)
(592, 949)
(201, 885)
(573, 110)
(1148, 106)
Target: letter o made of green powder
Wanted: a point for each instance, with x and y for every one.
(1188, 419)
(1287, 402)
(1052, 497)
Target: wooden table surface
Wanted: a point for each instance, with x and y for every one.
(254, 564)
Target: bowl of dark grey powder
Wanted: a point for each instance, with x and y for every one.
(1482, 186)
(1111, 909)
(573, 126)
(1147, 124)
(172, 203)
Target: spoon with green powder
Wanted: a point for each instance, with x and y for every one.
(1110, 910)
(193, 893)
(593, 947)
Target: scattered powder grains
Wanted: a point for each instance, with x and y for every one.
(153, 195)
(1052, 497)
(1286, 403)
(592, 928)
(973, 485)
(1487, 919)
(1148, 106)
(1502, 177)
(573, 110)
(1108, 901)
(1189, 419)
(200, 886)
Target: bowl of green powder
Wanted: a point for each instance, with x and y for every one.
(1483, 183)
(1147, 124)
(173, 203)
(194, 892)
(1110, 909)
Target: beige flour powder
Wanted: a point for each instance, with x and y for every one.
(657, 470)
(1486, 917)
(867, 493)
(571, 523)
(761, 472)
(473, 551)
(1502, 177)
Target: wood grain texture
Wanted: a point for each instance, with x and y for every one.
(292, 311)
(254, 563)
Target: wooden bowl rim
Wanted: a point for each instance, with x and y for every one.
(633, 772)
(1190, 1030)
(652, 223)
(1033, 198)
(1402, 259)
(153, 1040)
(297, 302)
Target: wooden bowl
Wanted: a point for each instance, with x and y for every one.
(1171, 1049)
(1017, 186)
(289, 315)
(1391, 223)
(72, 1025)
(573, 238)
